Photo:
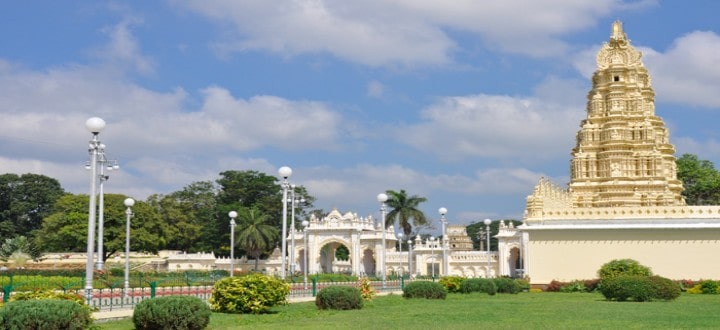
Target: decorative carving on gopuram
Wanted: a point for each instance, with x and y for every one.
(622, 155)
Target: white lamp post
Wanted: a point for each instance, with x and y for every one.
(410, 269)
(382, 198)
(400, 241)
(487, 223)
(110, 165)
(294, 202)
(129, 202)
(285, 173)
(232, 215)
(432, 256)
(305, 224)
(95, 125)
(446, 262)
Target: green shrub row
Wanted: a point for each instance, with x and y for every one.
(339, 297)
(424, 289)
(171, 312)
(46, 314)
(638, 288)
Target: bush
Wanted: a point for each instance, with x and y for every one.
(46, 314)
(47, 294)
(171, 312)
(709, 287)
(619, 267)
(451, 283)
(639, 288)
(366, 290)
(665, 289)
(339, 297)
(478, 285)
(507, 285)
(253, 293)
(424, 289)
(555, 286)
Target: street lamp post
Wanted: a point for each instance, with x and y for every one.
(110, 165)
(232, 215)
(400, 236)
(285, 173)
(432, 256)
(305, 224)
(294, 202)
(487, 223)
(95, 125)
(446, 262)
(410, 269)
(382, 198)
(129, 202)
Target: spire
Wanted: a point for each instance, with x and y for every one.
(617, 32)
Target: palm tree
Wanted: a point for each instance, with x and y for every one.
(404, 208)
(256, 235)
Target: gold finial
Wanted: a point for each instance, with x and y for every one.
(617, 31)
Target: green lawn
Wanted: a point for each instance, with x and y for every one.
(477, 311)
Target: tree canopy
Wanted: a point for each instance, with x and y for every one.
(700, 179)
(404, 209)
(24, 201)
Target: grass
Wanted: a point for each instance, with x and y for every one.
(474, 311)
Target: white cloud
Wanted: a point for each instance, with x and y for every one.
(405, 32)
(494, 126)
(375, 89)
(123, 48)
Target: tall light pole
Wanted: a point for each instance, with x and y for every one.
(487, 223)
(382, 198)
(110, 165)
(432, 255)
(232, 215)
(285, 173)
(129, 202)
(410, 270)
(95, 125)
(294, 202)
(446, 262)
(305, 224)
(400, 241)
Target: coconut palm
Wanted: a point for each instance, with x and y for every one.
(256, 235)
(405, 210)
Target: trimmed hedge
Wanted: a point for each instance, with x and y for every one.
(639, 288)
(485, 285)
(339, 297)
(46, 314)
(171, 312)
(623, 267)
(424, 289)
(507, 285)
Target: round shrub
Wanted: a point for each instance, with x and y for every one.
(665, 288)
(47, 314)
(478, 285)
(620, 267)
(254, 293)
(172, 312)
(639, 288)
(339, 297)
(709, 287)
(424, 289)
(451, 283)
(507, 285)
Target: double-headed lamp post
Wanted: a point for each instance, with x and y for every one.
(410, 268)
(284, 172)
(232, 215)
(400, 241)
(432, 255)
(305, 224)
(129, 202)
(109, 165)
(95, 125)
(443, 220)
(487, 223)
(382, 198)
(295, 202)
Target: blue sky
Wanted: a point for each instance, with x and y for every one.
(467, 103)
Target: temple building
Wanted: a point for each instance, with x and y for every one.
(624, 198)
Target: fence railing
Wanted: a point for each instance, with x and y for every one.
(114, 297)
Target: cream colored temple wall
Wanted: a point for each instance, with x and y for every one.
(573, 254)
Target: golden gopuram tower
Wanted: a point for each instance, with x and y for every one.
(623, 156)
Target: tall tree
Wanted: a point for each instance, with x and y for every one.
(24, 201)
(404, 208)
(700, 179)
(66, 228)
(256, 236)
